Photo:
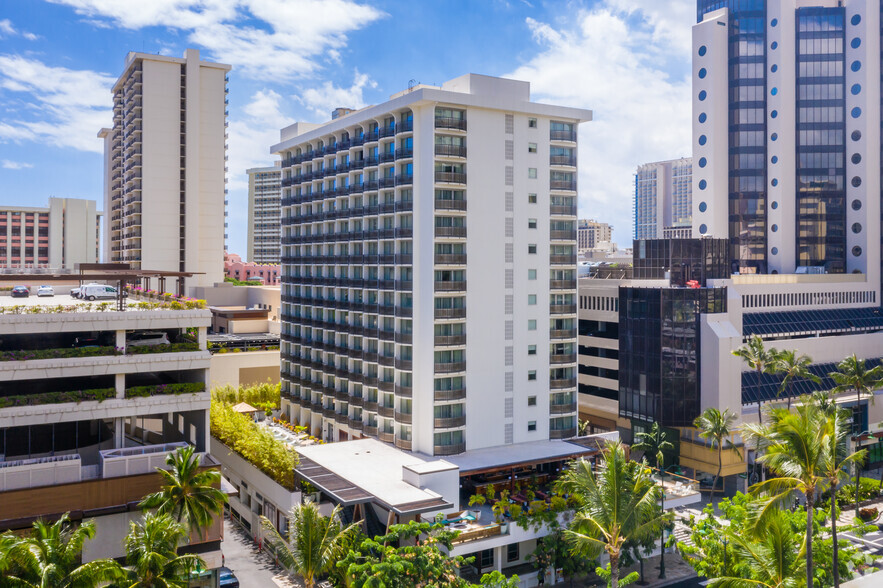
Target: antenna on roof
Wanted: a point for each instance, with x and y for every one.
(412, 83)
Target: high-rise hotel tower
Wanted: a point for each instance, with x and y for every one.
(429, 269)
(164, 166)
(786, 133)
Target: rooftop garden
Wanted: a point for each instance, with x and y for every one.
(173, 304)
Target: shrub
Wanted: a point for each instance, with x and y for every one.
(868, 514)
(162, 389)
(60, 353)
(169, 348)
(258, 395)
(78, 396)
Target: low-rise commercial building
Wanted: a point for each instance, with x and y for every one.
(266, 273)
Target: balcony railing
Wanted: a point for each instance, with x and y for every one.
(562, 160)
(562, 284)
(449, 422)
(404, 418)
(562, 185)
(450, 286)
(404, 444)
(386, 437)
(562, 433)
(562, 209)
(450, 258)
(562, 259)
(450, 368)
(444, 340)
(450, 150)
(443, 177)
(450, 450)
(450, 231)
(450, 205)
(557, 235)
(562, 135)
(450, 313)
(562, 408)
(455, 394)
(561, 383)
(563, 358)
(562, 309)
(562, 333)
(450, 123)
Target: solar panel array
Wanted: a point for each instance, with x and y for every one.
(767, 387)
(810, 322)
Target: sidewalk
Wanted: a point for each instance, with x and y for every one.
(253, 567)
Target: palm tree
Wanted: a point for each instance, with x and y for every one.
(793, 367)
(152, 556)
(836, 459)
(618, 505)
(853, 374)
(187, 494)
(51, 556)
(795, 449)
(771, 555)
(759, 359)
(717, 427)
(314, 541)
(653, 444)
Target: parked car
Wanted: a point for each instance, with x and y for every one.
(227, 579)
(45, 291)
(96, 291)
(20, 292)
(141, 338)
(75, 292)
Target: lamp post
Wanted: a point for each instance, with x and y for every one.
(660, 464)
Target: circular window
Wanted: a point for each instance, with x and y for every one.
(856, 158)
(774, 68)
(856, 182)
(856, 135)
(856, 251)
(774, 159)
(775, 182)
(702, 73)
(702, 117)
(703, 229)
(774, 45)
(774, 114)
(856, 228)
(703, 207)
(855, 89)
(856, 18)
(774, 91)
(703, 139)
(703, 162)
(774, 136)
(774, 22)
(855, 65)
(774, 250)
(856, 204)
(856, 112)
(702, 50)
(702, 95)
(774, 228)
(703, 184)
(855, 43)
(774, 205)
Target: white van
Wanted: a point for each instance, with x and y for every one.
(97, 291)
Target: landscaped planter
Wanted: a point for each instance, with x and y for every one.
(165, 389)
(61, 353)
(77, 396)
(170, 348)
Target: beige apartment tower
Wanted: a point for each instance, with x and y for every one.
(264, 204)
(165, 169)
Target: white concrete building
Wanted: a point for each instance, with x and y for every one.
(164, 167)
(264, 206)
(83, 432)
(663, 199)
(381, 334)
(57, 237)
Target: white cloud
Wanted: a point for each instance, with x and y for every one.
(327, 97)
(71, 104)
(616, 59)
(7, 164)
(279, 39)
(8, 30)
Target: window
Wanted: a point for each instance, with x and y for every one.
(531, 400)
(532, 248)
(531, 425)
(531, 147)
(532, 173)
(531, 299)
(532, 325)
(512, 552)
(487, 558)
(531, 198)
(532, 376)
(531, 223)
(531, 349)
(531, 274)
(532, 123)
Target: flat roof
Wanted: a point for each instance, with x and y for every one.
(368, 470)
(476, 461)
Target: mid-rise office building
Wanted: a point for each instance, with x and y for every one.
(164, 167)
(429, 269)
(664, 199)
(57, 237)
(589, 233)
(264, 205)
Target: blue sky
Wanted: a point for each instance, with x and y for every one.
(628, 60)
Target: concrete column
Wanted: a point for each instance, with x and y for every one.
(121, 340)
(118, 438)
(498, 558)
(120, 385)
(202, 337)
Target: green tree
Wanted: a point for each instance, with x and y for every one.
(314, 543)
(617, 505)
(758, 358)
(792, 366)
(152, 554)
(654, 444)
(553, 551)
(794, 446)
(50, 557)
(189, 495)
(717, 428)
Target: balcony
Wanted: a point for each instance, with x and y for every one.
(404, 391)
(450, 286)
(450, 150)
(386, 411)
(454, 450)
(450, 368)
(562, 136)
(562, 383)
(562, 209)
(455, 394)
(563, 359)
(450, 259)
(569, 185)
(562, 309)
(562, 408)
(450, 422)
(568, 160)
(562, 284)
(404, 418)
(446, 340)
(450, 313)
(443, 177)
(355, 424)
(370, 430)
(405, 126)
(403, 364)
(562, 333)
(450, 232)
(403, 444)
(387, 437)
(450, 205)
(562, 433)
(458, 124)
(556, 235)
(562, 259)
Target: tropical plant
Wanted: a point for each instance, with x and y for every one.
(553, 551)
(792, 366)
(758, 358)
(796, 447)
(617, 505)
(189, 495)
(151, 554)
(51, 557)
(654, 444)
(717, 428)
(314, 541)
(266, 393)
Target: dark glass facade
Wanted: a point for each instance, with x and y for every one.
(821, 130)
(659, 351)
(685, 259)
